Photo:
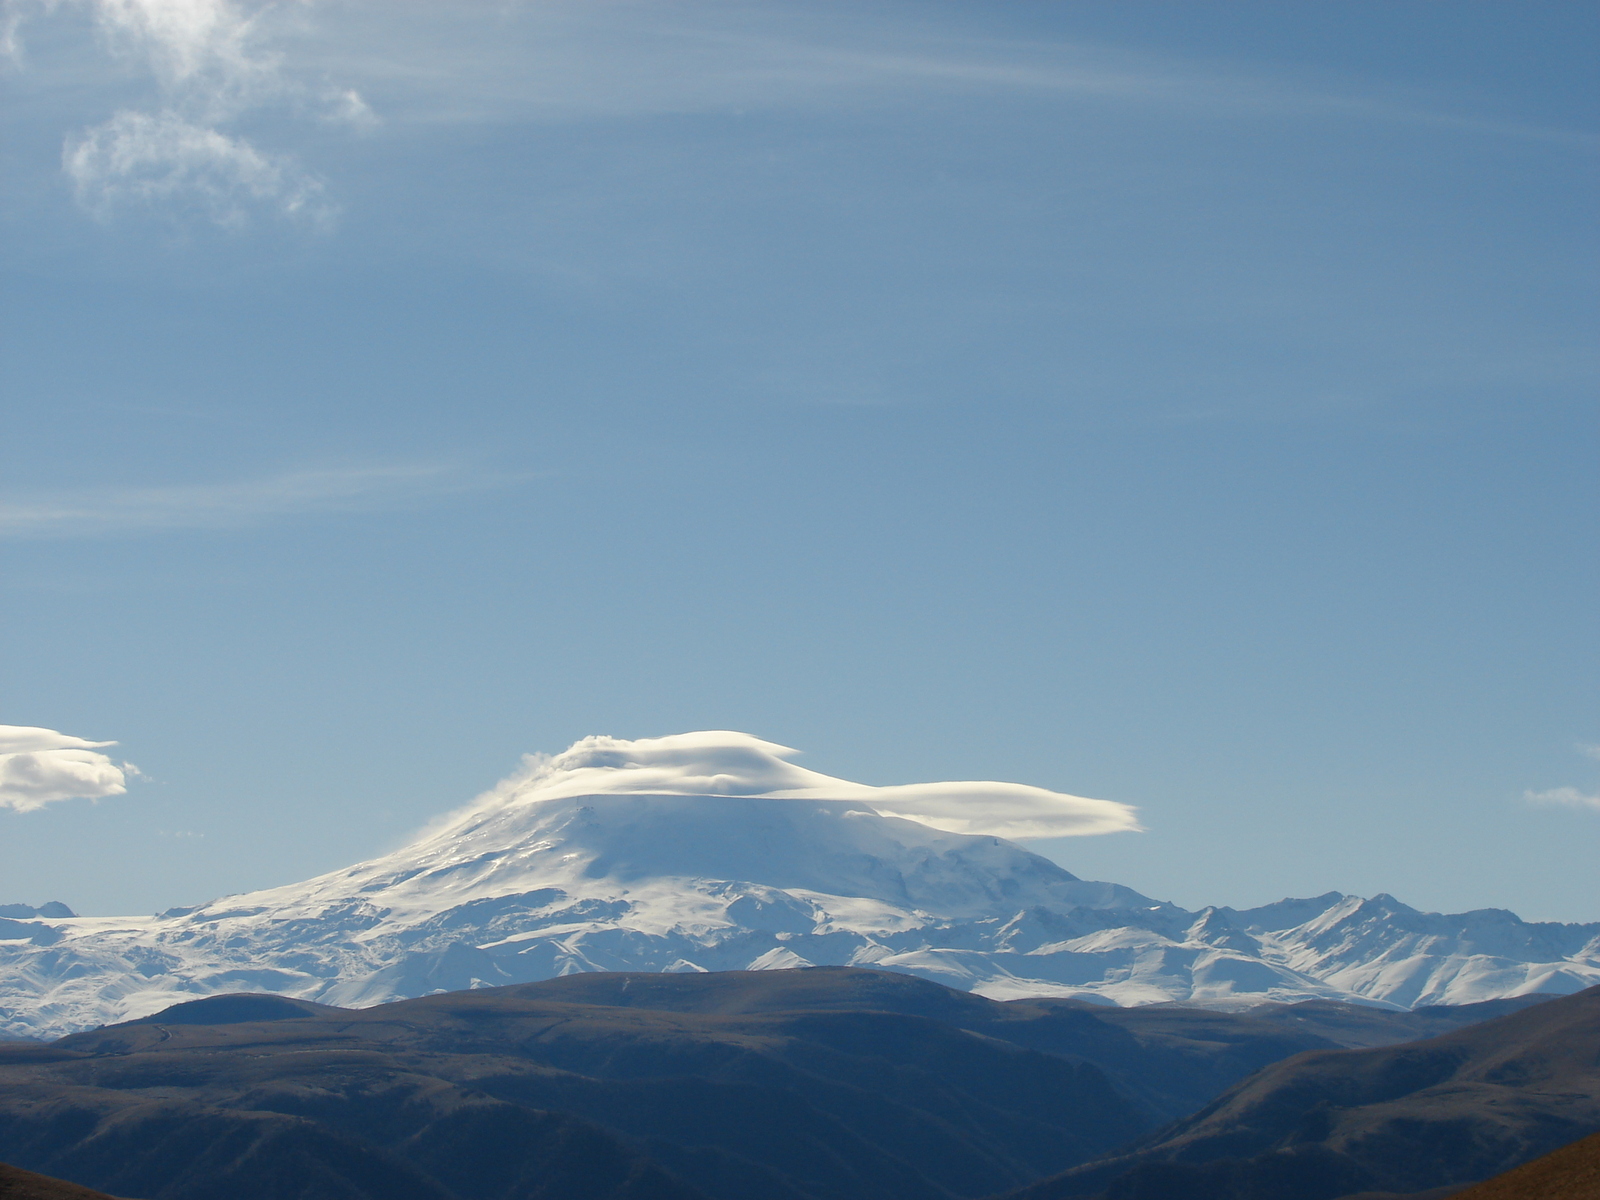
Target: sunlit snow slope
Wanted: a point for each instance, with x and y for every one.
(597, 860)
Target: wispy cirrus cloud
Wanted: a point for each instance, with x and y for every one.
(88, 512)
(562, 59)
(211, 62)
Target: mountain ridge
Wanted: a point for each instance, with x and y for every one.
(673, 882)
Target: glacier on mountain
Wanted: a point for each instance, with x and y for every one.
(602, 859)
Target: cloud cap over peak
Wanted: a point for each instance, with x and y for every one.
(728, 763)
(40, 766)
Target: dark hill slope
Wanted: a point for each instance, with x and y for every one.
(1570, 1173)
(1169, 1063)
(827, 1083)
(17, 1184)
(1447, 1110)
(502, 1094)
(1171, 1059)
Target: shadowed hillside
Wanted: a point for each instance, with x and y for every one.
(1172, 1059)
(830, 1083)
(1444, 1111)
(528, 1092)
(17, 1184)
(1570, 1173)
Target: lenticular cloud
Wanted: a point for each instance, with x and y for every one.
(41, 766)
(725, 763)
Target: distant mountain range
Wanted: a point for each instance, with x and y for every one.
(829, 1083)
(525, 889)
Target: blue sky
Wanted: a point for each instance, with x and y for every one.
(1190, 405)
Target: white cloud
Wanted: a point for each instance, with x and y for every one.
(151, 159)
(726, 763)
(1567, 797)
(346, 105)
(40, 766)
(210, 65)
(190, 43)
(227, 505)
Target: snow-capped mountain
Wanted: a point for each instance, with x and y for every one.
(711, 852)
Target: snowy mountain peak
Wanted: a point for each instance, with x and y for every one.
(628, 844)
(606, 858)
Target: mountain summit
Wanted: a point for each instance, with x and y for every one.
(711, 851)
